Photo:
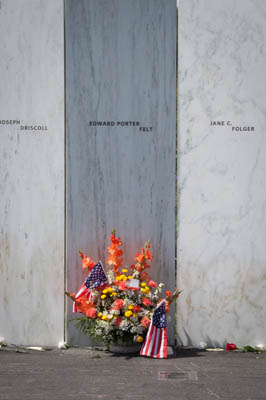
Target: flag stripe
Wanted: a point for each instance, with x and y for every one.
(151, 345)
(149, 340)
(157, 351)
(155, 344)
(146, 343)
(164, 346)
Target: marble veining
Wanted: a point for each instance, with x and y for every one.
(221, 172)
(32, 172)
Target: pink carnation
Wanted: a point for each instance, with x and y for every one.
(118, 304)
(145, 322)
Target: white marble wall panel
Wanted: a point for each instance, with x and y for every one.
(32, 172)
(120, 66)
(222, 172)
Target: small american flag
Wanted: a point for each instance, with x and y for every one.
(96, 278)
(155, 344)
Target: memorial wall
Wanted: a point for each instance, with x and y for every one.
(32, 172)
(89, 143)
(121, 134)
(222, 172)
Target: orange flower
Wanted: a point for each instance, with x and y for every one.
(91, 312)
(115, 254)
(167, 306)
(142, 257)
(87, 262)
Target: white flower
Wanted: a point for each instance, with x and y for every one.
(124, 326)
(61, 345)
(110, 276)
(133, 329)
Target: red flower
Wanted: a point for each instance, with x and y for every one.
(145, 322)
(118, 321)
(122, 285)
(136, 309)
(152, 284)
(230, 346)
(91, 312)
(146, 301)
(119, 303)
(168, 293)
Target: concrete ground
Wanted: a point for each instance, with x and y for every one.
(78, 373)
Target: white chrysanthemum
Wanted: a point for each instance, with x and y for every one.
(133, 329)
(124, 326)
(110, 276)
(101, 323)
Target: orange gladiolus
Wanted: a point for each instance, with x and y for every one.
(115, 254)
(87, 262)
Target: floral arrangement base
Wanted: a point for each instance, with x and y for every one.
(125, 348)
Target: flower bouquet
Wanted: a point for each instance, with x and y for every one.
(123, 306)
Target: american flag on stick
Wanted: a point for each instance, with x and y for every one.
(155, 344)
(96, 278)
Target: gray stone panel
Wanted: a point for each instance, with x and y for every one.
(120, 66)
(222, 172)
(32, 172)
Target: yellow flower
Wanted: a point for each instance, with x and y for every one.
(103, 296)
(124, 278)
(124, 270)
(130, 307)
(139, 339)
(128, 313)
(130, 277)
(143, 284)
(147, 289)
(110, 289)
(99, 314)
(115, 316)
(105, 318)
(143, 290)
(105, 291)
(135, 314)
(114, 294)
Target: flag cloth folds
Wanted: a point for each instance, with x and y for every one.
(96, 278)
(155, 344)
